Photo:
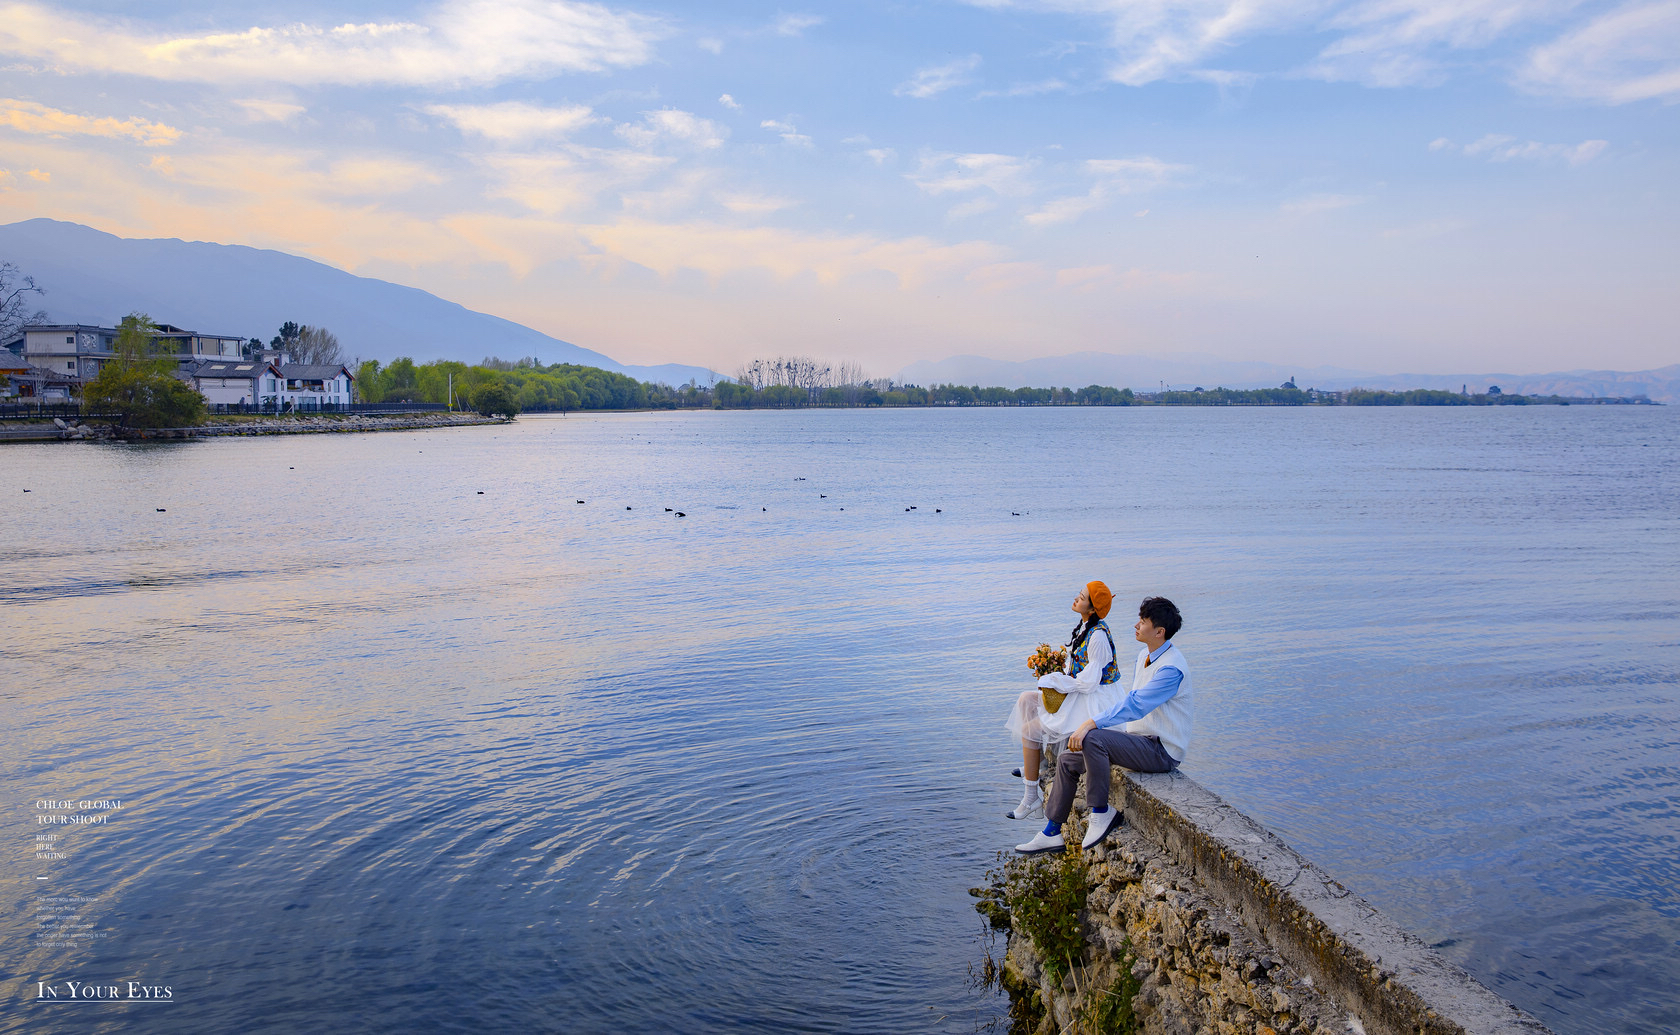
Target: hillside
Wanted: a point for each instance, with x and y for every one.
(95, 278)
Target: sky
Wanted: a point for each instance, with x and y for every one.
(1388, 185)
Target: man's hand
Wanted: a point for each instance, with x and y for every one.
(1077, 741)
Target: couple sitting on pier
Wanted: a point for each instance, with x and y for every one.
(1145, 729)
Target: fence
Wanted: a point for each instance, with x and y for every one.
(311, 406)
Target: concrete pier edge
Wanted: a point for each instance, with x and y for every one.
(1387, 976)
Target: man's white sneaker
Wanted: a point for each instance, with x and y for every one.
(1099, 825)
(1032, 804)
(1042, 842)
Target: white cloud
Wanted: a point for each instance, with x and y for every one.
(268, 109)
(729, 102)
(1112, 177)
(1629, 54)
(1401, 42)
(457, 42)
(788, 132)
(796, 24)
(710, 44)
(942, 173)
(931, 81)
(514, 122)
(1501, 148)
(881, 155)
(672, 125)
(717, 251)
(1063, 209)
(30, 117)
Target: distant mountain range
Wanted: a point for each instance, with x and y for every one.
(1147, 373)
(94, 277)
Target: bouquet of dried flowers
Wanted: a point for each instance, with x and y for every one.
(1047, 659)
(1043, 661)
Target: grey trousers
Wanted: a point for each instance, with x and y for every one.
(1103, 750)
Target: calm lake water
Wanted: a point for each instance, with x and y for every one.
(465, 731)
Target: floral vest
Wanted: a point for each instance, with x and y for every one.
(1076, 656)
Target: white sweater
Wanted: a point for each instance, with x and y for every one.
(1172, 720)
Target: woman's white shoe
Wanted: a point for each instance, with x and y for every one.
(1099, 825)
(1042, 842)
(1032, 803)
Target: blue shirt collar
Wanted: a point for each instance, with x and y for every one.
(1157, 652)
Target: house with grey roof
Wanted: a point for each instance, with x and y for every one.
(316, 386)
(236, 383)
(64, 357)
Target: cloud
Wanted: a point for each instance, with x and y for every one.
(672, 125)
(1112, 177)
(881, 155)
(710, 44)
(718, 251)
(1315, 204)
(514, 122)
(943, 173)
(1498, 147)
(729, 102)
(931, 81)
(1629, 54)
(788, 132)
(264, 109)
(457, 42)
(1157, 39)
(29, 117)
(796, 24)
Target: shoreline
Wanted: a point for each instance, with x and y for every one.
(320, 424)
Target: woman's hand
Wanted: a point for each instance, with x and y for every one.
(1077, 741)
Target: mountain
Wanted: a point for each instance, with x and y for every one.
(94, 277)
(1146, 373)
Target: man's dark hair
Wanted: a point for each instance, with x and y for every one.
(1163, 613)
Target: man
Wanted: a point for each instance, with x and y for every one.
(1155, 716)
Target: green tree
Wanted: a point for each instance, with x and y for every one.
(139, 385)
(368, 385)
(494, 398)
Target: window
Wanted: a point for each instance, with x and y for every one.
(71, 365)
(69, 339)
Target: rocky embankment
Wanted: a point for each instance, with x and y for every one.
(1192, 919)
(291, 424)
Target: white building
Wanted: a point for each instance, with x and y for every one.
(253, 384)
(316, 386)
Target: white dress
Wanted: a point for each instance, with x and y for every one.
(1087, 697)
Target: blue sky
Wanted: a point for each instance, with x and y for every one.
(1383, 184)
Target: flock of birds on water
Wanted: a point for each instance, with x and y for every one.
(679, 513)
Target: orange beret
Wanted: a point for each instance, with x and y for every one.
(1101, 598)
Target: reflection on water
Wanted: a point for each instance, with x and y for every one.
(398, 756)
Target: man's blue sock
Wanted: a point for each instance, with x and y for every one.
(1052, 828)
(1101, 810)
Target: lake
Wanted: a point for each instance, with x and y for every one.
(469, 730)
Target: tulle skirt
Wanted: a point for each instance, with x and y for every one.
(1030, 722)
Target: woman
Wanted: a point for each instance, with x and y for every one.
(1091, 681)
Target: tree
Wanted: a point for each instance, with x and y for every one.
(138, 383)
(316, 345)
(286, 340)
(368, 385)
(493, 398)
(15, 289)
